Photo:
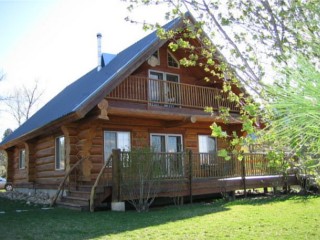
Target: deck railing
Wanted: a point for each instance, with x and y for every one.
(203, 165)
(171, 94)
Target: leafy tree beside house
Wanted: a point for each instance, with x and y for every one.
(250, 39)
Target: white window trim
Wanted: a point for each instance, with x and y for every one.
(56, 155)
(112, 131)
(204, 160)
(166, 137)
(174, 58)
(164, 75)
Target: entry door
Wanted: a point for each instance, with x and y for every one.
(169, 149)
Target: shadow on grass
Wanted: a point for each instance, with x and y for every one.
(59, 223)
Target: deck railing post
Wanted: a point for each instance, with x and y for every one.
(243, 166)
(116, 175)
(190, 173)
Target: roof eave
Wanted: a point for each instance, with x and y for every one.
(50, 127)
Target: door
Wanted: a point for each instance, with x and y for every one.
(169, 153)
(163, 88)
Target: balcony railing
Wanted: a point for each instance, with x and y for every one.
(171, 94)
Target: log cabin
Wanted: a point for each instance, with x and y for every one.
(141, 97)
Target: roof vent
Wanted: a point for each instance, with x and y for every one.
(99, 36)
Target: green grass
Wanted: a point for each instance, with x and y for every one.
(293, 217)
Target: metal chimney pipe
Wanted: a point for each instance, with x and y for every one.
(99, 36)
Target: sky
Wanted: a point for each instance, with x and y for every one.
(54, 42)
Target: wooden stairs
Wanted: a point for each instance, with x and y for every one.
(78, 197)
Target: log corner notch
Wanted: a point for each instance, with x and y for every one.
(103, 106)
(186, 120)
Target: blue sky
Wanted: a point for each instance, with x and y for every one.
(54, 41)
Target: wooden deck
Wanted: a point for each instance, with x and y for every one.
(192, 174)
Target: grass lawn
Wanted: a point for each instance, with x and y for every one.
(285, 217)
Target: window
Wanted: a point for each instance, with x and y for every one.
(115, 140)
(207, 149)
(22, 159)
(60, 153)
(169, 149)
(172, 62)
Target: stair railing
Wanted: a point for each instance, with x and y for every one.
(63, 183)
(100, 177)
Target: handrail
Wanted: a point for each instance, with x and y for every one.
(64, 180)
(93, 189)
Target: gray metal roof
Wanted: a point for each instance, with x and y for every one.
(79, 93)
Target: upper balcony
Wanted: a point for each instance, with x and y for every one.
(171, 94)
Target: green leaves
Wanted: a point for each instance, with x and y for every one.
(216, 131)
(224, 154)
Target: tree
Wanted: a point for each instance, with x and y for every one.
(22, 102)
(140, 177)
(249, 36)
(249, 39)
(293, 114)
(3, 157)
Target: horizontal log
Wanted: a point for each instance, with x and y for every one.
(45, 167)
(43, 144)
(44, 160)
(45, 152)
(50, 174)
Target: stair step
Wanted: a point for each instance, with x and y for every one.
(73, 206)
(81, 194)
(75, 200)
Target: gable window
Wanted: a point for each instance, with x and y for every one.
(60, 153)
(169, 153)
(115, 140)
(172, 61)
(163, 89)
(22, 159)
(207, 149)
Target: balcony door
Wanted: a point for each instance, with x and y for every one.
(163, 89)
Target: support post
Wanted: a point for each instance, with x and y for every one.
(116, 204)
(243, 166)
(190, 174)
(115, 175)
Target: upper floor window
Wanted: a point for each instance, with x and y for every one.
(22, 158)
(172, 62)
(60, 153)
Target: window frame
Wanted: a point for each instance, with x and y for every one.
(169, 54)
(105, 157)
(167, 135)
(207, 158)
(168, 164)
(60, 154)
(22, 158)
